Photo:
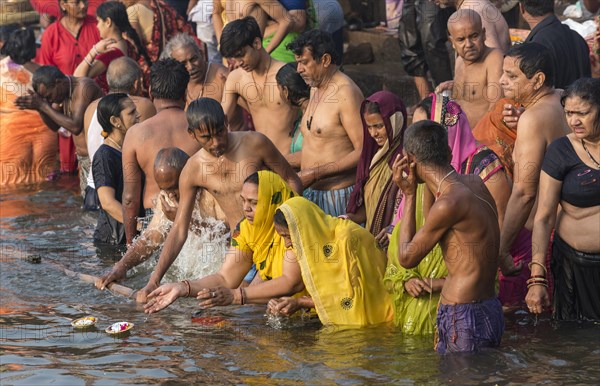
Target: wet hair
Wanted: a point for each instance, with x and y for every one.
(20, 45)
(237, 35)
(179, 41)
(110, 106)
(205, 114)
(533, 58)
(371, 108)
(279, 219)
(46, 75)
(319, 42)
(122, 74)
(588, 90)
(117, 12)
(427, 141)
(288, 77)
(538, 7)
(172, 158)
(169, 79)
(252, 179)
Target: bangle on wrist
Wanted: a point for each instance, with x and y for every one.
(87, 61)
(188, 287)
(95, 50)
(242, 296)
(540, 265)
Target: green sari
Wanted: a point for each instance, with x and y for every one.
(414, 315)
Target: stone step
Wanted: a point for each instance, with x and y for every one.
(383, 76)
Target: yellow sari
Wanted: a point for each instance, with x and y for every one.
(342, 268)
(260, 238)
(414, 315)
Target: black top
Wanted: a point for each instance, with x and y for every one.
(108, 171)
(580, 183)
(569, 50)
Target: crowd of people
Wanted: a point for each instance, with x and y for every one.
(439, 217)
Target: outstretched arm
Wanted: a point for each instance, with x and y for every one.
(237, 263)
(179, 232)
(142, 248)
(289, 283)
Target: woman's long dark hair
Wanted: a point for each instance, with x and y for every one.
(117, 12)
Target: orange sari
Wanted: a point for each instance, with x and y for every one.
(493, 133)
(28, 148)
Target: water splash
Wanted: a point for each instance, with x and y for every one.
(203, 252)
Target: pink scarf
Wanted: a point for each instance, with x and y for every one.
(460, 139)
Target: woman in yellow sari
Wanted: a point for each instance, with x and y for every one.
(341, 264)
(373, 200)
(28, 149)
(254, 242)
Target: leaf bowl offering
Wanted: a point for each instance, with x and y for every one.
(85, 322)
(119, 328)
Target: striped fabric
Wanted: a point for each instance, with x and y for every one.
(332, 202)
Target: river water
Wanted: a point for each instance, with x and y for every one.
(38, 346)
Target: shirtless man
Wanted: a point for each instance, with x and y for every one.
(206, 79)
(262, 11)
(168, 128)
(167, 168)
(253, 83)
(528, 78)
(463, 220)
(497, 34)
(220, 167)
(123, 75)
(331, 126)
(61, 102)
(477, 69)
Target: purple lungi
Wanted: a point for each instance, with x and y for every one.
(469, 327)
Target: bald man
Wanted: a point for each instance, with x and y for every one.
(478, 67)
(168, 165)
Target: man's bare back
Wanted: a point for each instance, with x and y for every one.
(168, 128)
(538, 126)
(463, 219)
(470, 246)
(333, 114)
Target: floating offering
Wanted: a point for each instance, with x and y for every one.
(119, 328)
(84, 322)
(208, 321)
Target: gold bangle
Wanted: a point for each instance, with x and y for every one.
(540, 264)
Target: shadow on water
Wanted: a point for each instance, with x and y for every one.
(228, 345)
